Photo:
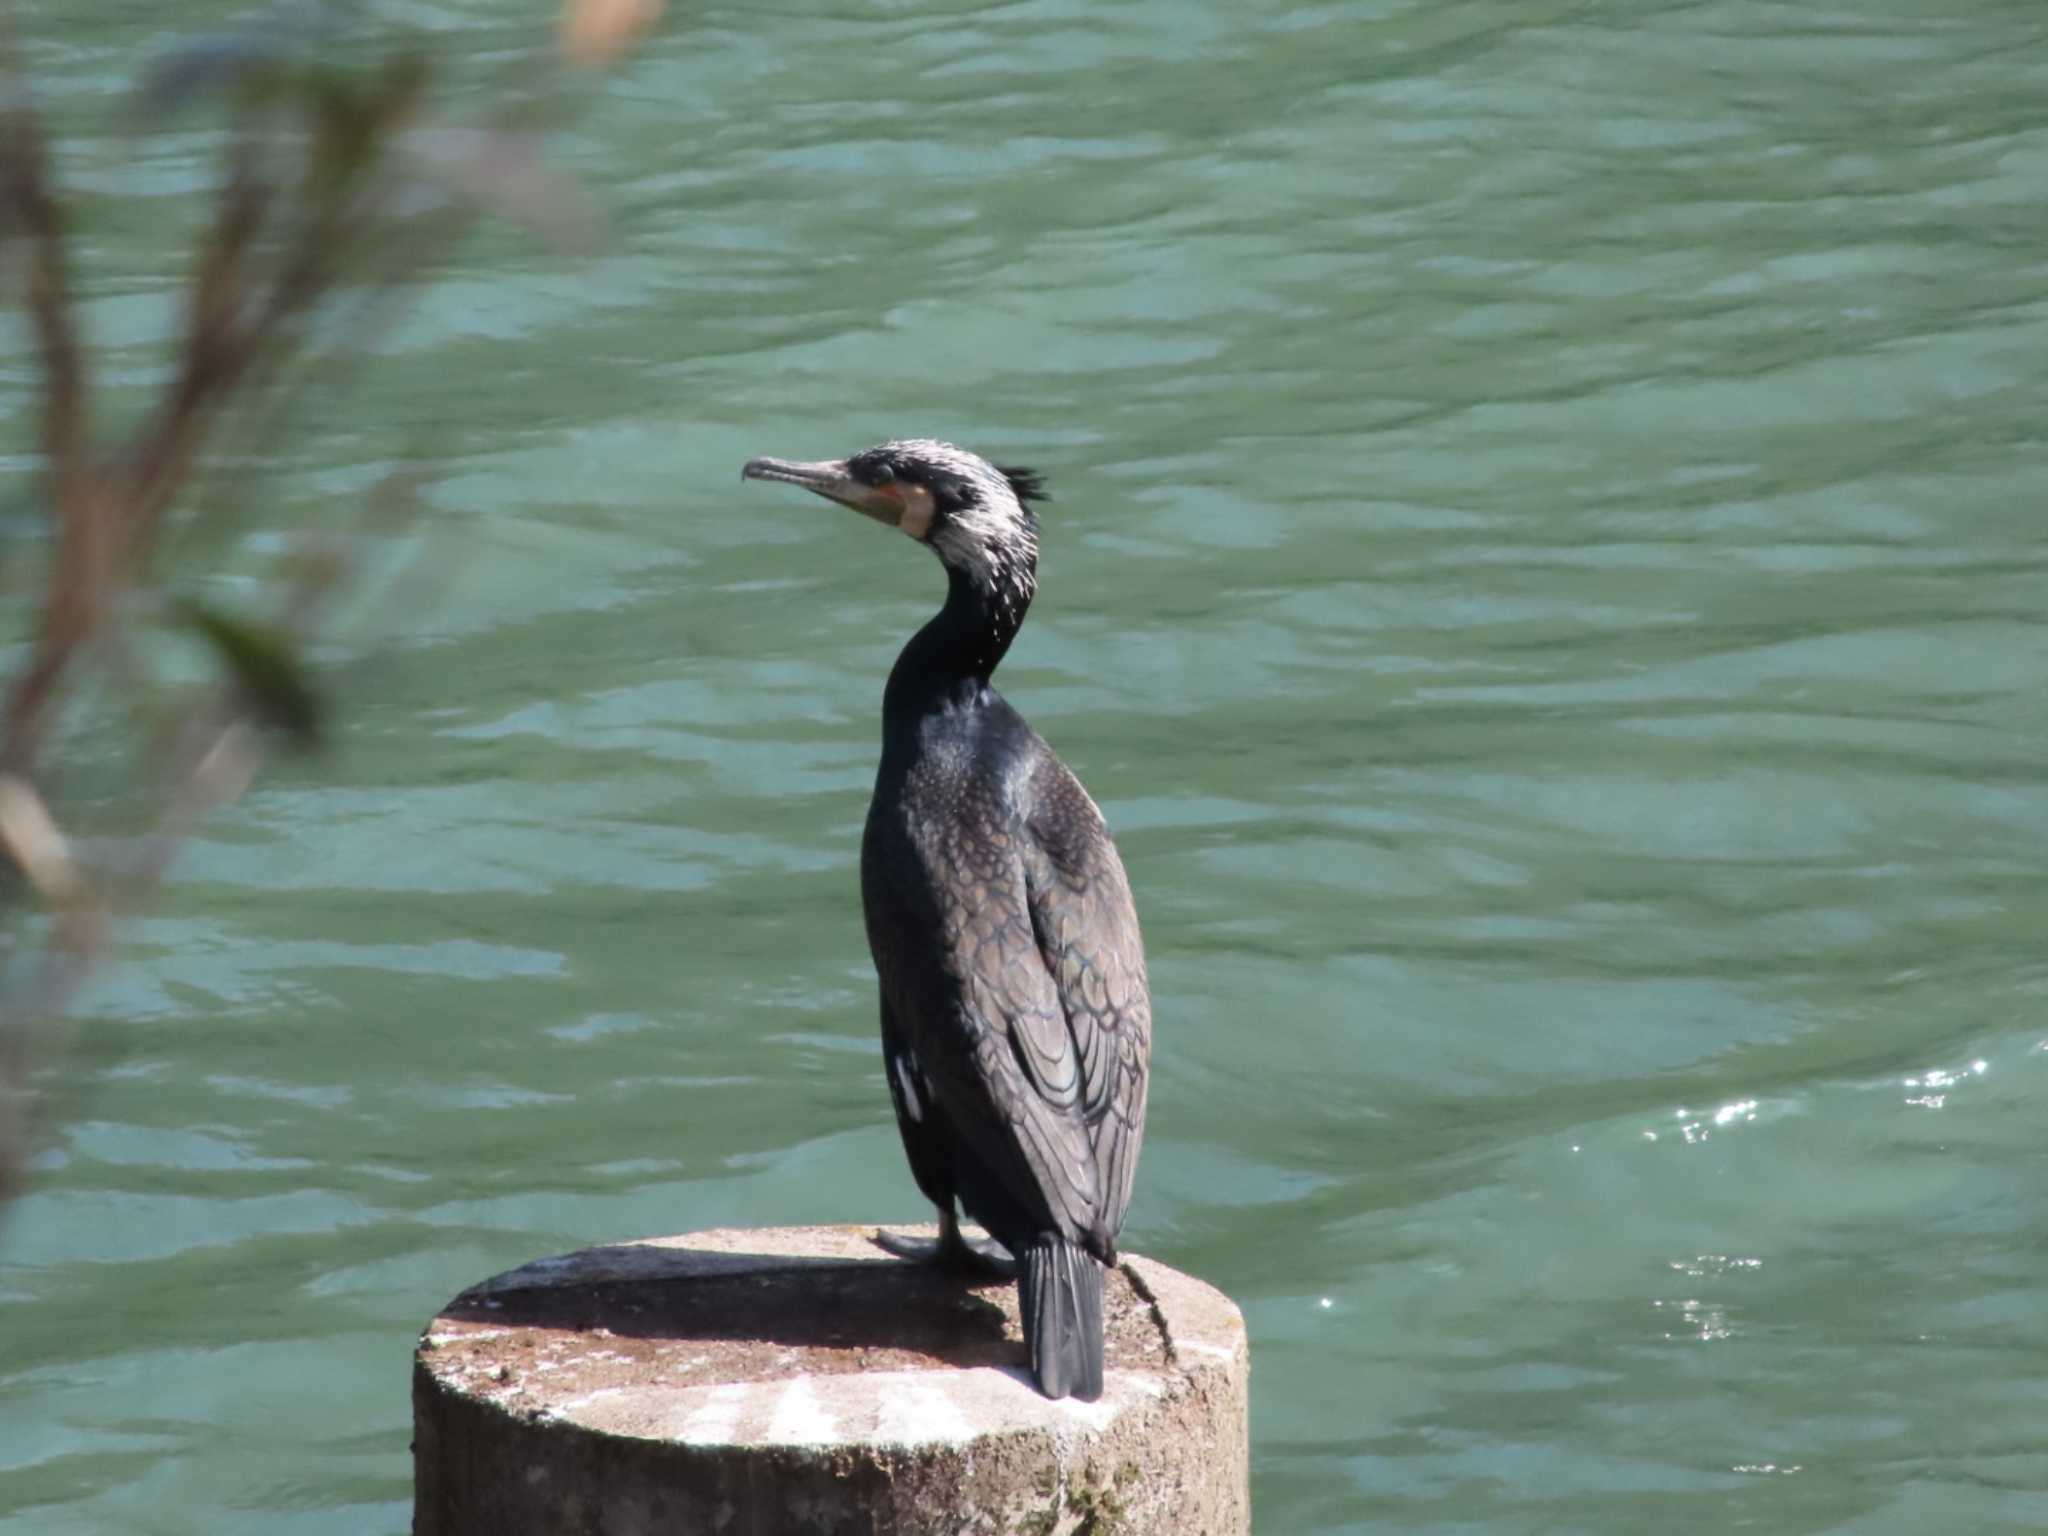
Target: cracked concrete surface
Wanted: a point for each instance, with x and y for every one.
(801, 1380)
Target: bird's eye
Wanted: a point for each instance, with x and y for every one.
(882, 474)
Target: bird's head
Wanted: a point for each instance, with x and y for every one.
(976, 515)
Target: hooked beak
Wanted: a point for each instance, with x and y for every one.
(831, 479)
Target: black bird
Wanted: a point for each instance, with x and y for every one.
(1016, 1021)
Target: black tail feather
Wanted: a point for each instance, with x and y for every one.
(1059, 1290)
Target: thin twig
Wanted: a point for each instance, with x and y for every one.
(33, 212)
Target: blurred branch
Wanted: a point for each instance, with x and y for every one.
(31, 214)
(338, 193)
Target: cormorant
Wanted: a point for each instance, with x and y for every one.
(1016, 1021)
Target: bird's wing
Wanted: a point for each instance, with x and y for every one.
(1086, 928)
(1011, 1081)
(924, 1136)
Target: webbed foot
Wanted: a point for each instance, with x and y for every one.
(952, 1250)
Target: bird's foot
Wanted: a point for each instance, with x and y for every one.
(952, 1250)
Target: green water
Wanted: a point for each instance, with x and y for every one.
(1547, 583)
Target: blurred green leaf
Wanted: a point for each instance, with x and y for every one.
(344, 128)
(264, 662)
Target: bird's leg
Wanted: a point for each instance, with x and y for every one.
(954, 1250)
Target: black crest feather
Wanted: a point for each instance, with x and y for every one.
(1029, 484)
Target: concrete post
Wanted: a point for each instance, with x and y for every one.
(798, 1380)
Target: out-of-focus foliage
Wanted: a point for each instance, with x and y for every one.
(343, 178)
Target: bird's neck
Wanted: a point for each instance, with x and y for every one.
(948, 663)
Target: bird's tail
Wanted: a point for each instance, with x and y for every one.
(1059, 1290)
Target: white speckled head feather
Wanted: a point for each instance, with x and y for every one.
(978, 522)
(975, 515)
